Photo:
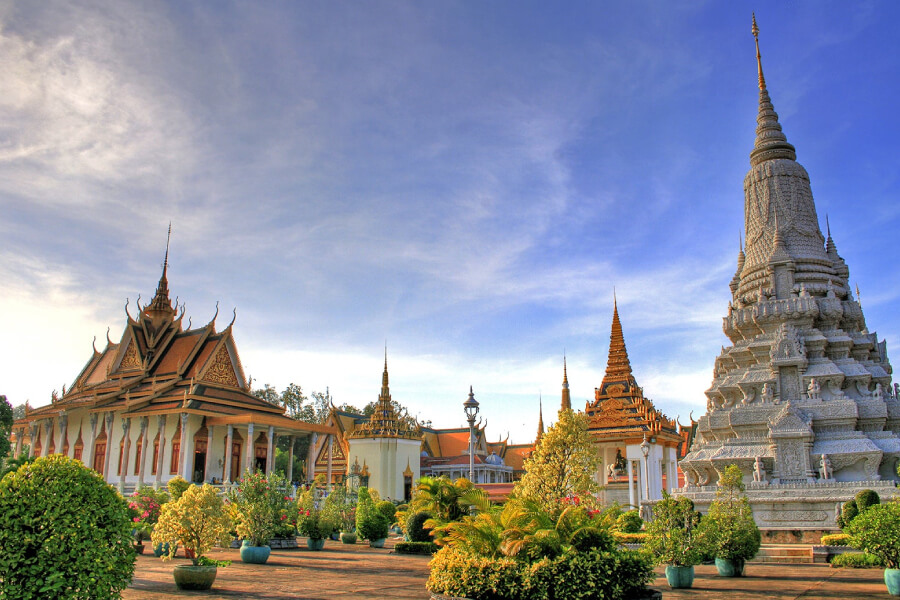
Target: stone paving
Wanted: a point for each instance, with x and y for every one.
(343, 571)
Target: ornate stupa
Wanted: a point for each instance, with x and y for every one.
(802, 400)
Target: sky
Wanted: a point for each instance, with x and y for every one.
(466, 183)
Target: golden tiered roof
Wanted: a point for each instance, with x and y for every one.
(384, 422)
(620, 411)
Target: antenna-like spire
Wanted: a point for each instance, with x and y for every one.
(540, 430)
(566, 403)
(762, 80)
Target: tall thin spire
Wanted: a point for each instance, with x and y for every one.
(566, 400)
(618, 367)
(540, 429)
(771, 143)
(385, 390)
(161, 304)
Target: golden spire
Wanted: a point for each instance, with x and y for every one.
(755, 30)
(540, 430)
(618, 367)
(566, 400)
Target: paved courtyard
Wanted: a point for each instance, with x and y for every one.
(341, 571)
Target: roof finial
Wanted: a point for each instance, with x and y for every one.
(762, 80)
(858, 298)
(827, 225)
(168, 239)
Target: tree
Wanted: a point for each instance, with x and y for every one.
(19, 411)
(562, 466)
(6, 421)
(730, 523)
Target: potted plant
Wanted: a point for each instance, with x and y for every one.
(258, 506)
(145, 504)
(730, 526)
(317, 518)
(197, 520)
(371, 524)
(676, 539)
(876, 531)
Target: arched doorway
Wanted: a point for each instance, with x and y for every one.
(237, 443)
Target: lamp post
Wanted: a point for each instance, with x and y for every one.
(645, 450)
(471, 408)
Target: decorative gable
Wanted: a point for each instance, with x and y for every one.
(221, 370)
(130, 359)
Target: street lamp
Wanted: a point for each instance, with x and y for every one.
(471, 408)
(645, 450)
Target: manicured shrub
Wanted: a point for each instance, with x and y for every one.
(370, 524)
(866, 498)
(387, 508)
(592, 538)
(835, 539)
(64, 533)
(415, 527)
(426, 548)
(197, 521)
(177, 486)
(457, 573)
(675, 536)
(629, 522)
(876, 531)
(848, 513)
(856, 560)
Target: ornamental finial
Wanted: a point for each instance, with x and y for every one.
(762, 80)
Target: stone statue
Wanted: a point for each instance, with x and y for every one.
(836, 392)
(767, 394)
(759, 471)
(825, 464)
(878, 394)
(618, 467)
(814, 390)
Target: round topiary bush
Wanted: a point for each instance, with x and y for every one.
(387, 508)
(866, 498)
(629, 522)
(415, 527)
(65, 533)
(848, 513)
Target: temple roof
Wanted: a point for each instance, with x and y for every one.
(384, 422)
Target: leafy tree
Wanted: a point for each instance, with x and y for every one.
(19, 411)
(674, 535)
(876, 531)
(730, 524)
(269, 394)
(6, 421)
(562, 465)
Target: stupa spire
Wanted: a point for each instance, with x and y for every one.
(540, 429)
(566, 400)
(618, 367)
(771, 143)
(161, 301)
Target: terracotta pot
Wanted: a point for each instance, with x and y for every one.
(189, 577)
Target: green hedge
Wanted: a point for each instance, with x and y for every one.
(630, 538)
(426, 548)
(836, 539)
(415, 527)
(592, 575)
(856, 560)
(64, 533)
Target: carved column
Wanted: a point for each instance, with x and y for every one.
(631, 501)
(229, 442)
(183, 460)
(311, 458)
(144, 422)
(108, 418)
(63, 432)
(251, 451)
(88, 454)
(290, 469)
(19, 435)
(126, 447)
(45, 446)
(34, 434)
(330, 441)
(209, 453)
(270, 458)
(161, 452)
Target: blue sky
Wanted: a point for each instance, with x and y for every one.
(467, 181)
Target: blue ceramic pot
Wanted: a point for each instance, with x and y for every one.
(160, 549)
(730, 567)
(679, 577)
(892, 581)
(379, 543)
(315, 544)
(256, 555)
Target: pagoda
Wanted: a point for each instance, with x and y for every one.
(801, 400)
(624, 424)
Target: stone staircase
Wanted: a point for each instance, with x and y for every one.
(784, 553)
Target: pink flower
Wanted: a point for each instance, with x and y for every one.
(283, 517)
(136, 519)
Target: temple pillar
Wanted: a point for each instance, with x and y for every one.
(209, 454)
(19, 435)
(45, 445)
(126, 447)
(631, 501)
(185, 466)
(311, 458)
(251, 451)
(144, 421)
(63, 433)
(270, 450)
(108, 419)
(88, 455)
(330, 441)
(229, 442)
(160, 455)
(35, 428)
(290, 469)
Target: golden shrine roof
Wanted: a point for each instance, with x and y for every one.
(384, 422)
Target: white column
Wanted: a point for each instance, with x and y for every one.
(109, 444)
(144, 422)
(87, 457)
(161, 455)
(270, 450)
(630, 484)
(126, 446)
(184, 465)
(290, 469)
(63, 435)
(229, 442)
(311, 458)
(210, 438)
(45, 445)
(251, 451)
(642, 476)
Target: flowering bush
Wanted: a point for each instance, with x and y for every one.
(260, 507)
(146, 504)
(197, 521)
(317, 518)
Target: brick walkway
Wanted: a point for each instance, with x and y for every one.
(341, 571)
